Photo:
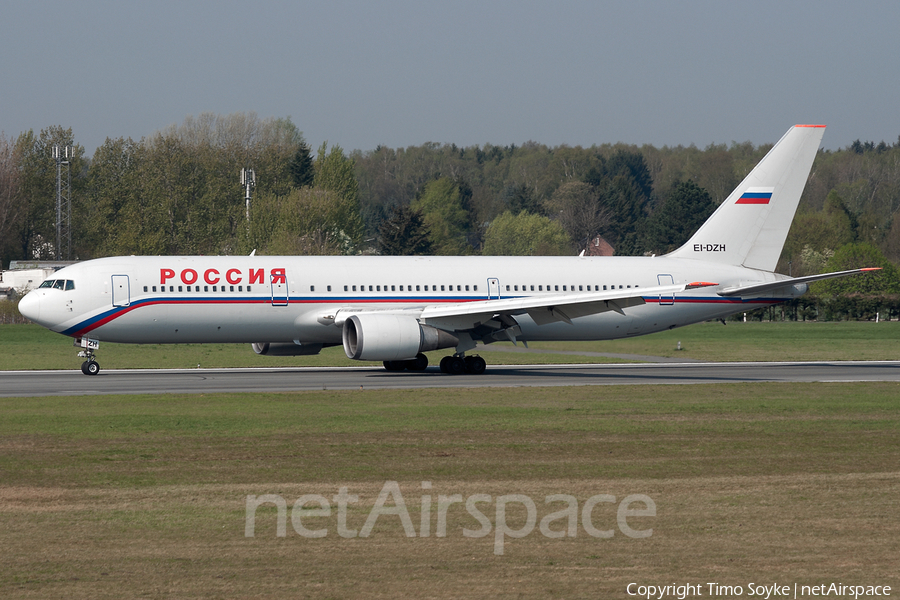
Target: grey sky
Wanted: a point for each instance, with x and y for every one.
(402, 73)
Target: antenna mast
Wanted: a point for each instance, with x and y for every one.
(63, 202)
(248, 180)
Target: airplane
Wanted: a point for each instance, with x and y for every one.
(394, 308)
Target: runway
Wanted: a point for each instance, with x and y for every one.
(197, 381)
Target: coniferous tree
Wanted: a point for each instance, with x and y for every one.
(302, 168)
(683, 212)
(404, 233)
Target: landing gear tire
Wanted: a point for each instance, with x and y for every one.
(445, 364)
(419, 363)
(475, 365)
(90, 367)
(456, 365)
(394, 365)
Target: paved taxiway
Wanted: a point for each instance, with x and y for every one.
(195, 381)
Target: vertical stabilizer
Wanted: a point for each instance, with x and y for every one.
(750, 226)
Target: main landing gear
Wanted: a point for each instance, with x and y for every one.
(452, 365)
(457, 365)
(89, 366)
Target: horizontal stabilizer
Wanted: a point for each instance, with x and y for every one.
(759, 288)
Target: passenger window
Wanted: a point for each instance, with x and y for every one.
(240, 288)
(345, 288)
(580, 289)
(467, 288)
(476, 288)
(328, 288)
(393, 288)
(354, 288)
(231, 288)
(312, 288)
(507, 288)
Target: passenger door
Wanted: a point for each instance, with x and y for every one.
(666, 299)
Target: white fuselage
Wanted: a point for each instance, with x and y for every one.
(201, 299)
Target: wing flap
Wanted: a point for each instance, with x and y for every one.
(543, 309)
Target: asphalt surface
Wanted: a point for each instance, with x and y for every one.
(197, 381)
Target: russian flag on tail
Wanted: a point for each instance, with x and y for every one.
(755, 196)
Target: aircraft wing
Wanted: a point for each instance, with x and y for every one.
(543, 309)
(759, 288)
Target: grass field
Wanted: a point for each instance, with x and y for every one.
(145, 496)
(33, 347)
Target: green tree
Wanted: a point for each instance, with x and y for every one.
(115, 220)
(526, 234)
(306, 221)
(404, 233)
(10, 201)
(443, 213)
(335, 173)
(576, 207)
(676, 220)
(520, 198)
(626, 206)
(302, 168)
(37, 181)
(855, 256)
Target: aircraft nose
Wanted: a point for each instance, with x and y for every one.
(30, 306)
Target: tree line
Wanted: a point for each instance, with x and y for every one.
(177, 192)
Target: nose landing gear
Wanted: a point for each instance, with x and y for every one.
(89, 366)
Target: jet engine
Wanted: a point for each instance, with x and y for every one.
(285, 349)
(391, 337)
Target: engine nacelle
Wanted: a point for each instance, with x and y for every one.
(391, 337)
(285, 349)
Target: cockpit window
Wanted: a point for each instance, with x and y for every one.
(58, 284)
